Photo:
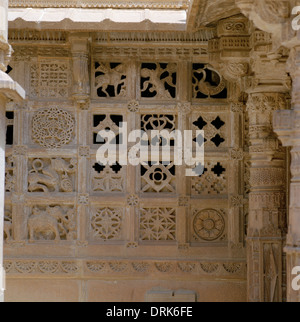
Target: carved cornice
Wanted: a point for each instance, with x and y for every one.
(113, 4)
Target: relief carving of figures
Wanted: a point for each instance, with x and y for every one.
(51, 175)
(110, 79)
(158, 80)
(52, 223)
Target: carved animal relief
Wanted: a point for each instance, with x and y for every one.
(52, 175)
(110, 79)
(52, 223)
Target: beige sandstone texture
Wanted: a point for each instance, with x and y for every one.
(74, 230)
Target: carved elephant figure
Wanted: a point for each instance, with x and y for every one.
(42, 223)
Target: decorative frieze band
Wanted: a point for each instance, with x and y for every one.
(52, 267)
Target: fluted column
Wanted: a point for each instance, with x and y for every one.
(8, 90)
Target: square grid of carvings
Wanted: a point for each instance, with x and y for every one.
(53, 222)
(212, 182)
(106, 224)
(52, 175)
(50, 79)
(110, 80)
(207, 82)
(214, 127)
(158, 80)
(157, 224)
(208, 225)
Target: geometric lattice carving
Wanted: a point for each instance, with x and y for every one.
(106, 224)
(49, 80)
(208, 224)
(52, 127)
(52, 223)
(212, 182)
(158, 80)
(51, 175)
(214, 129)
(110, 79)
(158, 224)
(105, 179)
(158, 122)
(158, 178)
(102, 122)
(207, 82)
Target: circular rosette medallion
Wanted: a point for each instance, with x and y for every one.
(52, 127)
(209, 224)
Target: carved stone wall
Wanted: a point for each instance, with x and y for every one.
(70, 219)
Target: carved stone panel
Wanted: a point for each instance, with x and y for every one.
(157, 224)
(48, 223)
(208, 225)
(52, 175)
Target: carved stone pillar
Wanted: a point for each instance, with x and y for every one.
(286, 125)
(267, 200)
(8, 90)
(267, 93)
(80, 59)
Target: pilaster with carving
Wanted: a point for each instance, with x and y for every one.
(81, 78)
(267, 92)
(286, 124)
